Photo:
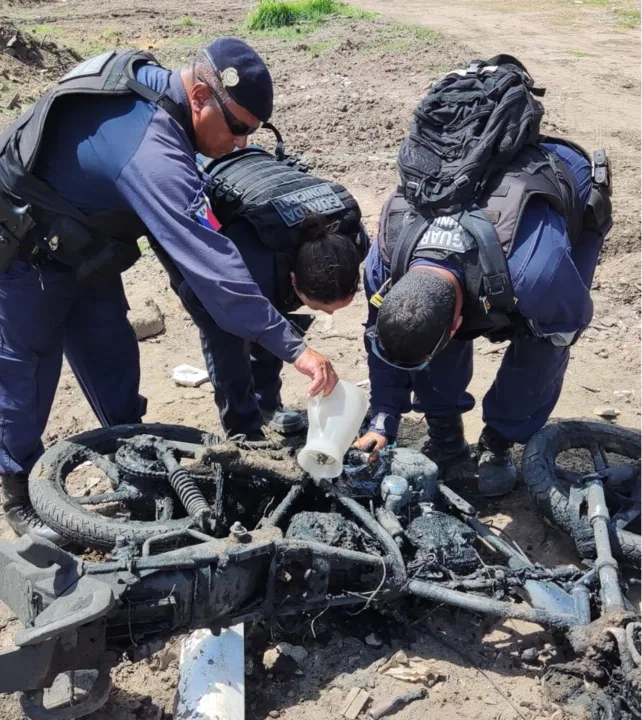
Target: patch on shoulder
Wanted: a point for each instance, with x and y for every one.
(295, 206)
(445, 233)
(92, 66)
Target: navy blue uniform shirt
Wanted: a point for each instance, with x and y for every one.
(127, 154)
(549, 288)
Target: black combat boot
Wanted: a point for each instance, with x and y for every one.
(497, 471)
(284, 422)
(447, 447)
(18, 511)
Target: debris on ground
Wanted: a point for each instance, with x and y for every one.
(147, 320)
(412, 669)
(284, 658)
(189, 376)
(374, 641)
(608, 412)
(355, 702)
(389, 707)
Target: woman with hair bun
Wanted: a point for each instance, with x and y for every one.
(302, 240)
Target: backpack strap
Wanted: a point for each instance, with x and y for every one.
(173, 109)
(496, 284)
(405, 246)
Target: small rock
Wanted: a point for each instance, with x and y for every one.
(14, 102)
(606, 411)
(626, 395)
(608, 321)
(189, 376)
(343, 108)
(147, 320)
(530, 655)
(389, 125)
(284, 658)
(374, 641)
(602, 352)
(274, 714)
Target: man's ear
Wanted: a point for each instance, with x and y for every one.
(457, 324)
(199, 97)
(293, 279)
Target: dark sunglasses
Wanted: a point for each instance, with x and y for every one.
(378, 350)
(237, 127)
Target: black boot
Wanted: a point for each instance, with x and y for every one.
(497, 471)
(18, 511)
(447, 447)
(284, 422)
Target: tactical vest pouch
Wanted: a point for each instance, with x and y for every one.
(15, 223)
(71, 243)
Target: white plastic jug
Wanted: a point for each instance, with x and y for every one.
(333, 423)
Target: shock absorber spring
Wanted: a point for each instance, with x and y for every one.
(190, 495)
(187, 490)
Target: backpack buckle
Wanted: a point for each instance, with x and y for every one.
(494, 284)
(473, 68)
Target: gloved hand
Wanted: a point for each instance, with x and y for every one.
(319, 368)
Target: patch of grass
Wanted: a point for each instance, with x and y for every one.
(193, 40)
(579, 53)
(274, 14)
(44, 30)
(318, 48)
(399, 38)
(185, 22)
(109, 33)
(628, 18)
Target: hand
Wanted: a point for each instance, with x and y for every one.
(319, 368)
(371, 442)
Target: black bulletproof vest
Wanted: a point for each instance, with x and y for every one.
(481, 238)
(99, 243)
(275, 195)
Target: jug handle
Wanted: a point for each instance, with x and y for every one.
(314, 424)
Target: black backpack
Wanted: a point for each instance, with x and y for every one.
(467, 127)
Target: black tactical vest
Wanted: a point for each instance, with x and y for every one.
(274, 196)
(99, 244)
(481, 238)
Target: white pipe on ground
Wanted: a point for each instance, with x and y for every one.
(211, 682)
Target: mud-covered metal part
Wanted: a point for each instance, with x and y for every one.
(285, 545)
(442, 541)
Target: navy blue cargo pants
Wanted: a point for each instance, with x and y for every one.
(45, 313)
(245, 376)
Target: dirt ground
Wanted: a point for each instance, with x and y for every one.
(345, 91)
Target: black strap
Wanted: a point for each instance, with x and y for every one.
(497, 287)
(405, 246)
(173, 109)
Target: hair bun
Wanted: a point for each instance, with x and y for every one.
(315, 227)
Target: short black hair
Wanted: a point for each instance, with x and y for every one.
(327, 263)
(414, 315)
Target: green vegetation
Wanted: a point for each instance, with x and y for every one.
(628, 18)
(399, 37)
(185, 22)
(276, 14)
(42, 30)
(318, 48)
